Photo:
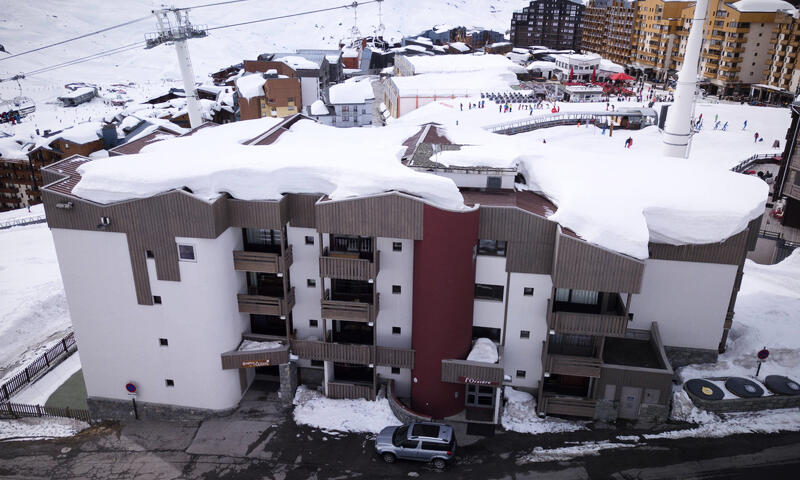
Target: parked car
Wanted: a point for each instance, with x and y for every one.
(422, 441)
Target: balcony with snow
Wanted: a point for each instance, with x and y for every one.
(482, 374)
(256, 351)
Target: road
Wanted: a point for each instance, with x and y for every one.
(260, 440)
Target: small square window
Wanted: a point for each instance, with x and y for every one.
(397, 246)
(396, 330)
(524, 334)
(317, 363)
(170, 382)
(163, 342)
(395, 288)
(149, 254)
(313, 323)
(520, 373)
(157, 299)
(186, 253)
(527, 291)
(395, 370)
(311, 283)
(309, 240)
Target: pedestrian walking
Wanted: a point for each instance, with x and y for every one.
(755, 137)
(744, 127)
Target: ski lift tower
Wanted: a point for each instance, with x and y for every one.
(174, 28)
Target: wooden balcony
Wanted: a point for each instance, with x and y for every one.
(255, 358)
(589, 324)
(262, 262)
(474, 373)
(353, 353)
(394, 357)
(263, 305)
(573, 407)
(348, 267)
(350, 390)
(349, 311)
(572, 365)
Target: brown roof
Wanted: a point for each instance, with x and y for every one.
(137, 145)
(67, 167)
(528, 201)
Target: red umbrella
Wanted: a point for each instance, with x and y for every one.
(621, 77)
(571, 74)
(594, 74)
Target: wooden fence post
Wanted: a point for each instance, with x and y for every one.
(38, 410)
(5, 391)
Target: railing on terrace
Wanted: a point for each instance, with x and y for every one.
(47, 360)
(18, 222)
(19, 410)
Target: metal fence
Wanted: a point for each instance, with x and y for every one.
(49, 359)
(19, 410)
(748, 163)
(18, 222)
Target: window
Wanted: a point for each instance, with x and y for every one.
(290, 99)
(317, 363)
(396, 289)
(524, 334)
(486, 332)
(397, 246)
(395, 370)
(396, 330)
(157, 299)
(492, 247)
(169, 382)
(527, 291)
(149, 254)
(480, 396)
(409, 444)
(489, 292)
(520, 373)
(163, 342)
(438, 447)
(313, 323)
(311, 283)
(309, 240)
(186, 253)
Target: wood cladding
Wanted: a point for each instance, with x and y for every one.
(392, 215)
(530, 238)
(585, 266)
(729, 252)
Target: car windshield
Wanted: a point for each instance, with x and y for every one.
(400, 434)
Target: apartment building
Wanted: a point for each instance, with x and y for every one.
(782, 74)
(268, 89)
(656, 43)
(608, 29)
(787, 183)
(555, 24)
(189, 298)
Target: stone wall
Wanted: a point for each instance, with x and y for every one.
(288, 373)
(746, 404)
(680, 357)
(109, 409)
(402, 412)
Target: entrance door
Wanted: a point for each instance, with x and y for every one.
(630, 398)
(480, 403)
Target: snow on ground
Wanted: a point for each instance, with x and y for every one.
(39, 428)
(38, 392)
(33, 308)
(585, 449)
(36, 211)
(519, 415)
(314, 409)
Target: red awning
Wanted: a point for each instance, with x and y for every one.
(621, 77)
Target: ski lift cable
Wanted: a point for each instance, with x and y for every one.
(76, 61)
(212, 4)
(308, 12)
(77, 38)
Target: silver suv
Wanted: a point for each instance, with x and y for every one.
(423, 441)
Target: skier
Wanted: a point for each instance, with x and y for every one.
(755, 138)
(716, 125)
(725, 127)
(716, 117)
(744, 127)
(629, 142)
(462, 106)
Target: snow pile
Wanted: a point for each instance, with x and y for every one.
(252, 345)
(250, 86)
(314, 409)
(39, 428)
(462, 64)
(352, 92)
(484, 350)
(319, 108)
(308, 158)
(519, 415)
(539, 454)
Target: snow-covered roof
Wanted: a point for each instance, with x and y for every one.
(578, 57)
(81, 133)
(462, 64)
(349, 53)
(10, 149)
(78, 92)
(251, 85)
(298, 62)
(761, 5)
(460, 46)
(318, 108)
(541, 65)
(455, 83)
(351, 92)
(609, 66)
(499, 44)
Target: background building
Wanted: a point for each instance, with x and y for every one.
(608, 29)
(554, 24)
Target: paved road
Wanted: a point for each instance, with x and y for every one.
(260, 440)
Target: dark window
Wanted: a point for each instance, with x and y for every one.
(395, 330)
(309, 240)
(313, 323)
(409, 443)
(351, 290)
(524, 334)
(494, 182)
(262, 240)
(311, 282)
(157, 299)
(395, 288)
(170, 382)
(439, 447)
(186, 252)
(395, 370)
(485, 291)
(358, 246)
(268, 325)
(163, 342)
(397, 246)
(290, 99)
(317, 363)
(485, 332)
(797, 178)
(149, 254)
(527, 291)
(520, 373)
(399, 435)
(492, 247)
(425, 430)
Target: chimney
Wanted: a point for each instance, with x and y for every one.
(677, 133)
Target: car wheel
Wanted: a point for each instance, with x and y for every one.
(388, 457)
(439, 463)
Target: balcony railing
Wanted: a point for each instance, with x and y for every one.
(394, 357)
(264, 305)
(338, 389)
(597, 319)
(353, 353)
(255, 358)
(573, 407)
(476, 373)
(349, 311)
(348, 267)
(262, 262)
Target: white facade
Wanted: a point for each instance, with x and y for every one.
(305, 266)
(309, 88)
(688, 300)
(119, 339)
(526, 313)
(490, 270)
